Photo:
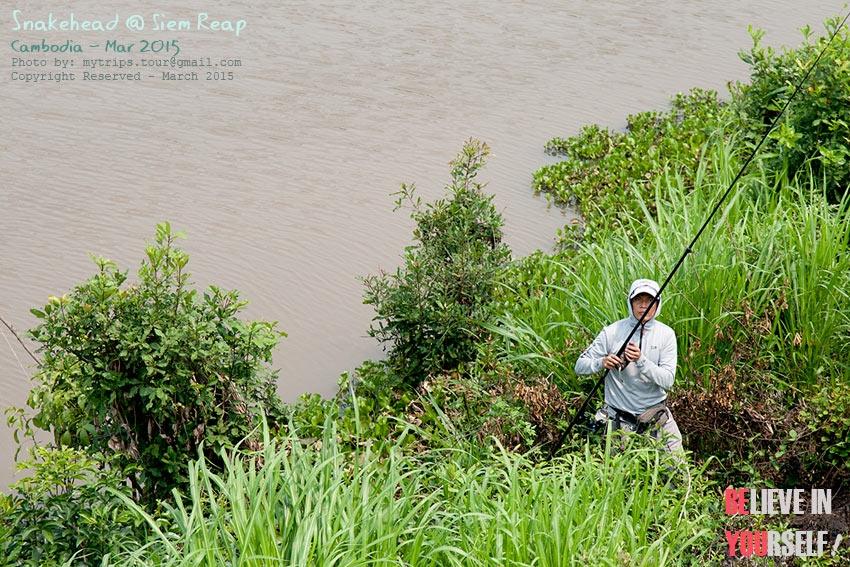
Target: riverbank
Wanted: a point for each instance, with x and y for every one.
(438, 454)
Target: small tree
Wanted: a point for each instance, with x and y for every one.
(432, 309)
(149, 371)
(815, 128)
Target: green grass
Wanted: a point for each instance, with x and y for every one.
(296, 505)
(766, 287)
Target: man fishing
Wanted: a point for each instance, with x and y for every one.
(636, 385)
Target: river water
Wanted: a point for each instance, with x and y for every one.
(281, 177)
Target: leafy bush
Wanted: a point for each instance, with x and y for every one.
(490, 407)
(367, 409)
(484, 403)
(432, 309)
(65, 511)
(826, 420)
(601, 165)
(150, 371)
(816, 126)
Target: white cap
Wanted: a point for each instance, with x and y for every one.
(643, 286)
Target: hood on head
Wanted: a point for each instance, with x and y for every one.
(643, 286)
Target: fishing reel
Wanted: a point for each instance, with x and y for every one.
(592, 426)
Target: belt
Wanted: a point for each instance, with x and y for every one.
(642, 422)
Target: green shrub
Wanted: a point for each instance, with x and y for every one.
(367, 409)
(601, 165)
(482, 403)
(432, 308)
(65, 511)
(816, 126)
(149, 371)
(826, 423)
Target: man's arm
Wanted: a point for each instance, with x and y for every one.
(663, 372)
(590, 360)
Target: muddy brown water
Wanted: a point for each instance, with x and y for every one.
(281, 177)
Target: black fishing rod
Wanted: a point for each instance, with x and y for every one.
(690, 246)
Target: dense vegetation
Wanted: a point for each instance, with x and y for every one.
(148, 371)
(291, 505)
(430, 311)
(170, 446)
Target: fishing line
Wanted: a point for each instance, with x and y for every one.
(15, 334)
(690, 246)
(12, 350)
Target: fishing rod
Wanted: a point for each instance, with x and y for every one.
(689, 247)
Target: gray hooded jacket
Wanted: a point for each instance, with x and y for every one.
(642, 383)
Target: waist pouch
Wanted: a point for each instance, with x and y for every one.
(654, 416)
